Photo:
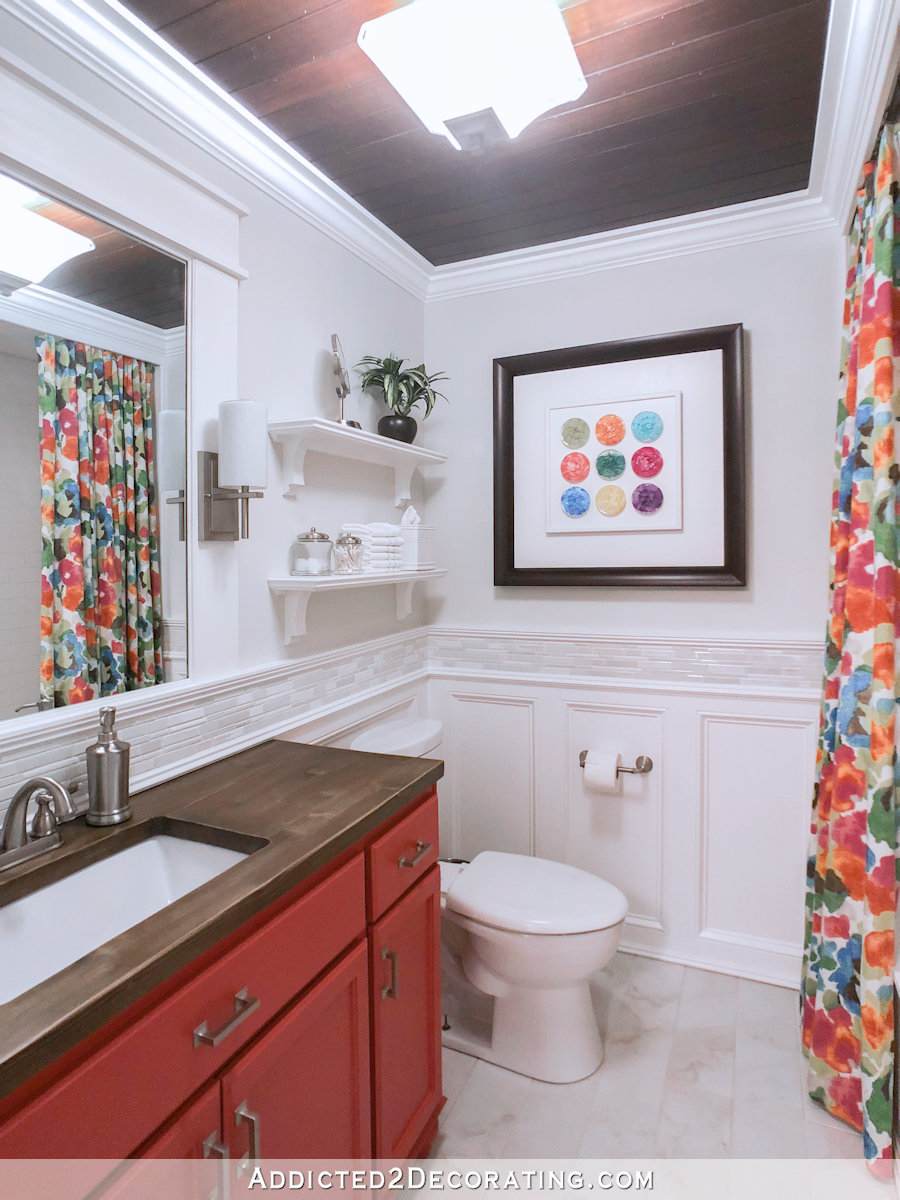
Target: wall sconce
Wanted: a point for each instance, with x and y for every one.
(229, 480)
(170, 459)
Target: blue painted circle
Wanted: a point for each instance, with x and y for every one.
(575, 502)
(647, 426)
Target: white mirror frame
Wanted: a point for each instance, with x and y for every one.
(147, 196)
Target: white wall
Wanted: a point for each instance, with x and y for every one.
(20, 545)
(787, 292)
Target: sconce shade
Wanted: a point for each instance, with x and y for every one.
(170, 449)
(243, 444)
(31, 246)
(511, 59)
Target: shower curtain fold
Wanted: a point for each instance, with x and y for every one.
(847, 988)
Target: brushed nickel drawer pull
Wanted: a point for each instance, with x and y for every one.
(390, 992)
(244, 1005)
(253, 1122)
(422, 848)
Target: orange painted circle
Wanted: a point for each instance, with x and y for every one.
(610, 430)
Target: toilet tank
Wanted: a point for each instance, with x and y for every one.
(411, 738)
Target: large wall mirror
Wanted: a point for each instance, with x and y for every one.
(92, 458)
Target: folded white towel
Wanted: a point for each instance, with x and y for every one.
(385, 528)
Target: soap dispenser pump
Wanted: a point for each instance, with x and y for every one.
(107, 771)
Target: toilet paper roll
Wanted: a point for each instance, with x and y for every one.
(601, 771)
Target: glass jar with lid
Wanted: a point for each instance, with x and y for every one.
(348, 552)
(311, 553)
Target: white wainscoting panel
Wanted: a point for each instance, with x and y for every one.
(618, 836)
(490, 770)
(755, 791)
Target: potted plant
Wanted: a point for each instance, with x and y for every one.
(402, 389)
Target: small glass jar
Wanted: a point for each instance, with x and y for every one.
(311, 553)
(348, 552)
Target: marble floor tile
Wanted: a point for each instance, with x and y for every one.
(703, 1057)
(553, 1119)
(707, 1000)
(693, 1123)
(483, 1115)
(456, 1069)
(835, 1140)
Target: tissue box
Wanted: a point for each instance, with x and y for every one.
(417, 551)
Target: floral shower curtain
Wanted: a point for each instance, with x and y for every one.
(101, 614)
(848, 1010)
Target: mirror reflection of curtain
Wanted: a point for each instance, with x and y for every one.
(101, 608)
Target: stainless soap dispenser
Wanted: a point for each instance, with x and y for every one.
(107, 771)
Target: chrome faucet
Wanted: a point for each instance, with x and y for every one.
(54, 806)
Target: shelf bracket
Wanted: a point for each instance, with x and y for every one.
(404, 598)
(294, 614)
(293, 460)
(403, 474)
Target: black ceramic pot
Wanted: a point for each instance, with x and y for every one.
(399, 426)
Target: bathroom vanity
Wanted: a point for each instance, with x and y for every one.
(288, 1008)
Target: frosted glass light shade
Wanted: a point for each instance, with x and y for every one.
(32, 246)
(449, 58)
(243, 444)
(170, 449)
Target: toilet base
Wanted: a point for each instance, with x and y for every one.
(547, 1034)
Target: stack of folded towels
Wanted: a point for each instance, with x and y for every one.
(382, 545)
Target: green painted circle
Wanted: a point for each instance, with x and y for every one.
(610, 464)
(575, 433)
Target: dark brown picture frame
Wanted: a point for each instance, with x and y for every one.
(732, 572)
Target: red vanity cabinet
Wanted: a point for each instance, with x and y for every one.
(283, 1043)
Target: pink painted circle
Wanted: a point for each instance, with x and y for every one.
(575, 467)
(646, 462)
(610, 430)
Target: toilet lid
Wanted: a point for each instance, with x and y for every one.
(534, 895)
(409, 737)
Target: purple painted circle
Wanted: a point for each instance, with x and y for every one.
(647, 498)
(646, 462)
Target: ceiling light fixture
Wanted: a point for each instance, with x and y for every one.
(31, 246)
(476, 70)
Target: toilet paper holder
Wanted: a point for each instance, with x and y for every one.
(642, 765)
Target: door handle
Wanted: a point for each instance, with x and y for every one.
(213, 1148)
(390, 992)
(244, 1005)
(243, 1114)
(422, 848)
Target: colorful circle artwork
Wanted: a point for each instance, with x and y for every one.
(647, 498)
(611, 464)
(647, 426)
(575, 433)
(575, 502)
(610, 430)
(610, 500)
(646, 462)
(575, 467)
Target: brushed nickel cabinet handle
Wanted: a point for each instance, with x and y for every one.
(243, 1114)
(390, 992)
(213, 1148)
(244, 1005)
(422, 848)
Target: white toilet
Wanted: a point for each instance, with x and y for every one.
(520, 938)
(528, 933)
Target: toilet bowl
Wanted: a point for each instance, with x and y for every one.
(520, 938)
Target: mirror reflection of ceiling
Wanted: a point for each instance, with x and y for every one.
(121, 274)
(690, 105)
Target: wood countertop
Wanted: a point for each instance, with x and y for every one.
(309, 804)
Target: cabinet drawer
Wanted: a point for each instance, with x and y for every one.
(145, 1073)
(401, 856)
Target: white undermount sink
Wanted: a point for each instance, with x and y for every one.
(51, 928)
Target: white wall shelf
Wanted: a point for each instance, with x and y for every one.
(295, 438)
(295, 591)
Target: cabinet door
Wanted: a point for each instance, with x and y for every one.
(302, 1089)
(405, 951)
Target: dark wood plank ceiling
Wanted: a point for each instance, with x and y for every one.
(120, 274)
(690, 105)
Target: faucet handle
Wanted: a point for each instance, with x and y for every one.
(44, 822)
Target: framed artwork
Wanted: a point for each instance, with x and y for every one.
(622, 463)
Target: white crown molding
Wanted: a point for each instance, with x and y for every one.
(40, 309)
(138, 63)
(141, 66)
